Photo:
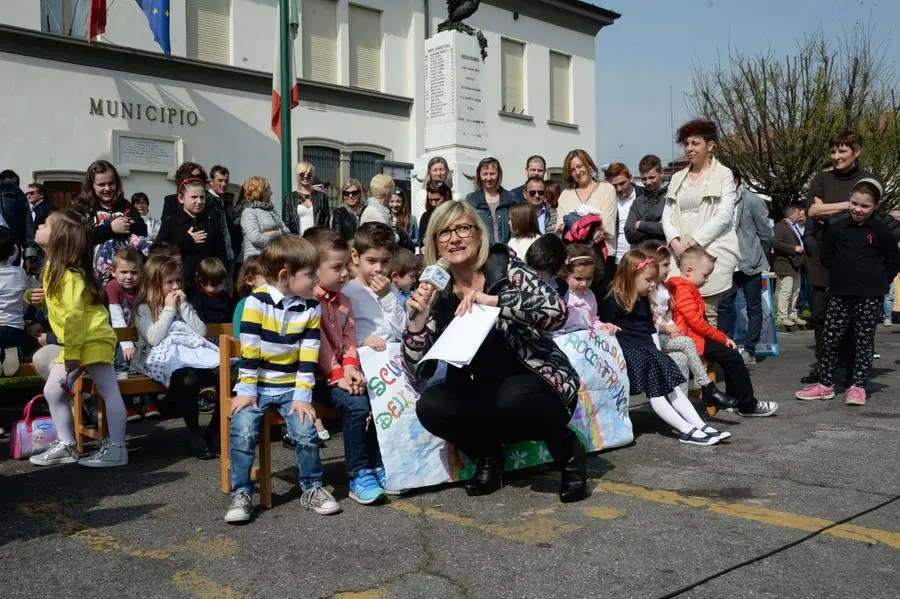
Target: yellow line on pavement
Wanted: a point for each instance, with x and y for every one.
(851, 532)
(530, 532)
(202, 587)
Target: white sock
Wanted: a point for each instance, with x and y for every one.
(668, 414)
(685, 408)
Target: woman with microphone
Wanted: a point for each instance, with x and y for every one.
(520, 385)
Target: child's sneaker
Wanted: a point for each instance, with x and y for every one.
(57, 453)
(150, 410)
(108, 456)
(131, 415)
(856, 396)
(381, 477)
(240, 510)
(815, 391)
(207, 401)
(10, 361)
(323, 434)
(365, 488)
(320, 501)
(762, 409)
(722, 435)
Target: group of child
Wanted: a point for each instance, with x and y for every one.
(660, 324)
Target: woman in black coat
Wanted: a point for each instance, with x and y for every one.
(345, 219)
(306, 207)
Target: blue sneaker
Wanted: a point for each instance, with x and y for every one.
(381, 476)
(365, 489)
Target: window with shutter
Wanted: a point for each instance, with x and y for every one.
(560, 87)
(365, 47)
(320, 51)
(512, 74)
(365, 165)
(208, 27)
(327, 164)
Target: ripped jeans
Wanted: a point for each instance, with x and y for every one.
(245, 436)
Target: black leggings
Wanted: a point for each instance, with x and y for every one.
(479, 418)
(184, 387)
(737, 378)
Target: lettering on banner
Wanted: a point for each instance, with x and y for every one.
(597, 351)
(385, 382)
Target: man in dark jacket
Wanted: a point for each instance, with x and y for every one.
(644, 221)
(535, 166)
(14, 208)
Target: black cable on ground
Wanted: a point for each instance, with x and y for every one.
(777, 550)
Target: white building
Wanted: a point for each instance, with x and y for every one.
(360, 63)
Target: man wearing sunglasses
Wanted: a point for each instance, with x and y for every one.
(535, 166)
(535, 193)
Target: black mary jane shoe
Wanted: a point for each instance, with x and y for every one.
(713, 397)
(573, 477)
(488, 476)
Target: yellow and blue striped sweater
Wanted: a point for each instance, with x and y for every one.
(279, 345)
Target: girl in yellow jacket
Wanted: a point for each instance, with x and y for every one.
(81, 323)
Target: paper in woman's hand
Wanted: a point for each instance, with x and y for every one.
(461, 339)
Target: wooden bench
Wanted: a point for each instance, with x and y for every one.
(133, 384)
(231, 349)
(711, 373)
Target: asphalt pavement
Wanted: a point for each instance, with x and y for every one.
(804, 504)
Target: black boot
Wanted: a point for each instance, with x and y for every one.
(572, 459)
(488, 475)
(713, 397)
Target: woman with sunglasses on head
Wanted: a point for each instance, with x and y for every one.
(519, 385)
(345, 219)
(306, 207)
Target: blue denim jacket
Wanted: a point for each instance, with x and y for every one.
(507, 201)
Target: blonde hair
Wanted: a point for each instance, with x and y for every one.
(381, 187)
(442, 217)
(306, 167)
(255, 189)
(353, 183)
(156, 271)
(622, 287)
(288, 252)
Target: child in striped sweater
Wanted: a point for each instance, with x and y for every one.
(279, 352)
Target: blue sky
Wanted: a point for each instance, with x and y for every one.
(655, 43)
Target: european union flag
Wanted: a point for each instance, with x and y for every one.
(157, 12)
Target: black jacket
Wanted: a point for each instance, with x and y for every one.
(175, 230)
(345, 222)
(647, 208)
(41, 213)
(214, 204)
(862, 258)
(101, 220)
(213, 309)
(14, 210)
(321, 210)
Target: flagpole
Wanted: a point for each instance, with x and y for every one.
(287, 179)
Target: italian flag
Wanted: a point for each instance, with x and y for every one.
(276, 70)
(96, 19)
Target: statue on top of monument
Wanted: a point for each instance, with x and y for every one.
(459, 10)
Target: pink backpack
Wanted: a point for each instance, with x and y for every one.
(31, 436)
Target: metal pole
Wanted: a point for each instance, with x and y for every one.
(672, 123)
(287, 182)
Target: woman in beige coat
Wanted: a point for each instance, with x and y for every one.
(700, 210)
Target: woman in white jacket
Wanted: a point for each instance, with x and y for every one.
(259, 220)
(700, 210)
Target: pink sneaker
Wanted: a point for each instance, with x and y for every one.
(856, 396)
(815, 391)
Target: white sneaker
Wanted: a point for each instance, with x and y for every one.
(324, 435)
(108, 456)
(10, 361)
(240, 510)
(57, 453)
(320, 501)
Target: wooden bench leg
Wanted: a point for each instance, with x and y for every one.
(713, 409)
(102, 427)
(225, 429)
(265, 464)
(78, 415)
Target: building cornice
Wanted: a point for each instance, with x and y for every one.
(57, 48)
(574, 15)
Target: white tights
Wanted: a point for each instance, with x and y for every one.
(104, 377)
(677, 411)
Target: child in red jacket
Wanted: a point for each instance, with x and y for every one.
(689, 313)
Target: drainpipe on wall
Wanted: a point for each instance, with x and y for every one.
(427, 19)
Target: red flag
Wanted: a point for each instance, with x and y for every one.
(294, 92)
(96, 19)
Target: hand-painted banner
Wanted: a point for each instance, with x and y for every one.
(413, 457)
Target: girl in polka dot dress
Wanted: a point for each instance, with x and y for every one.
(650, 371)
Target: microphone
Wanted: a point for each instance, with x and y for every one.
(435, 275)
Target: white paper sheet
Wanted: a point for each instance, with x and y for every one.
(461, 339)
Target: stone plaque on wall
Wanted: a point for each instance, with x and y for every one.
(454, 92)
(140, 152)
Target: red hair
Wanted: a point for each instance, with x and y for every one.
(615, 169)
